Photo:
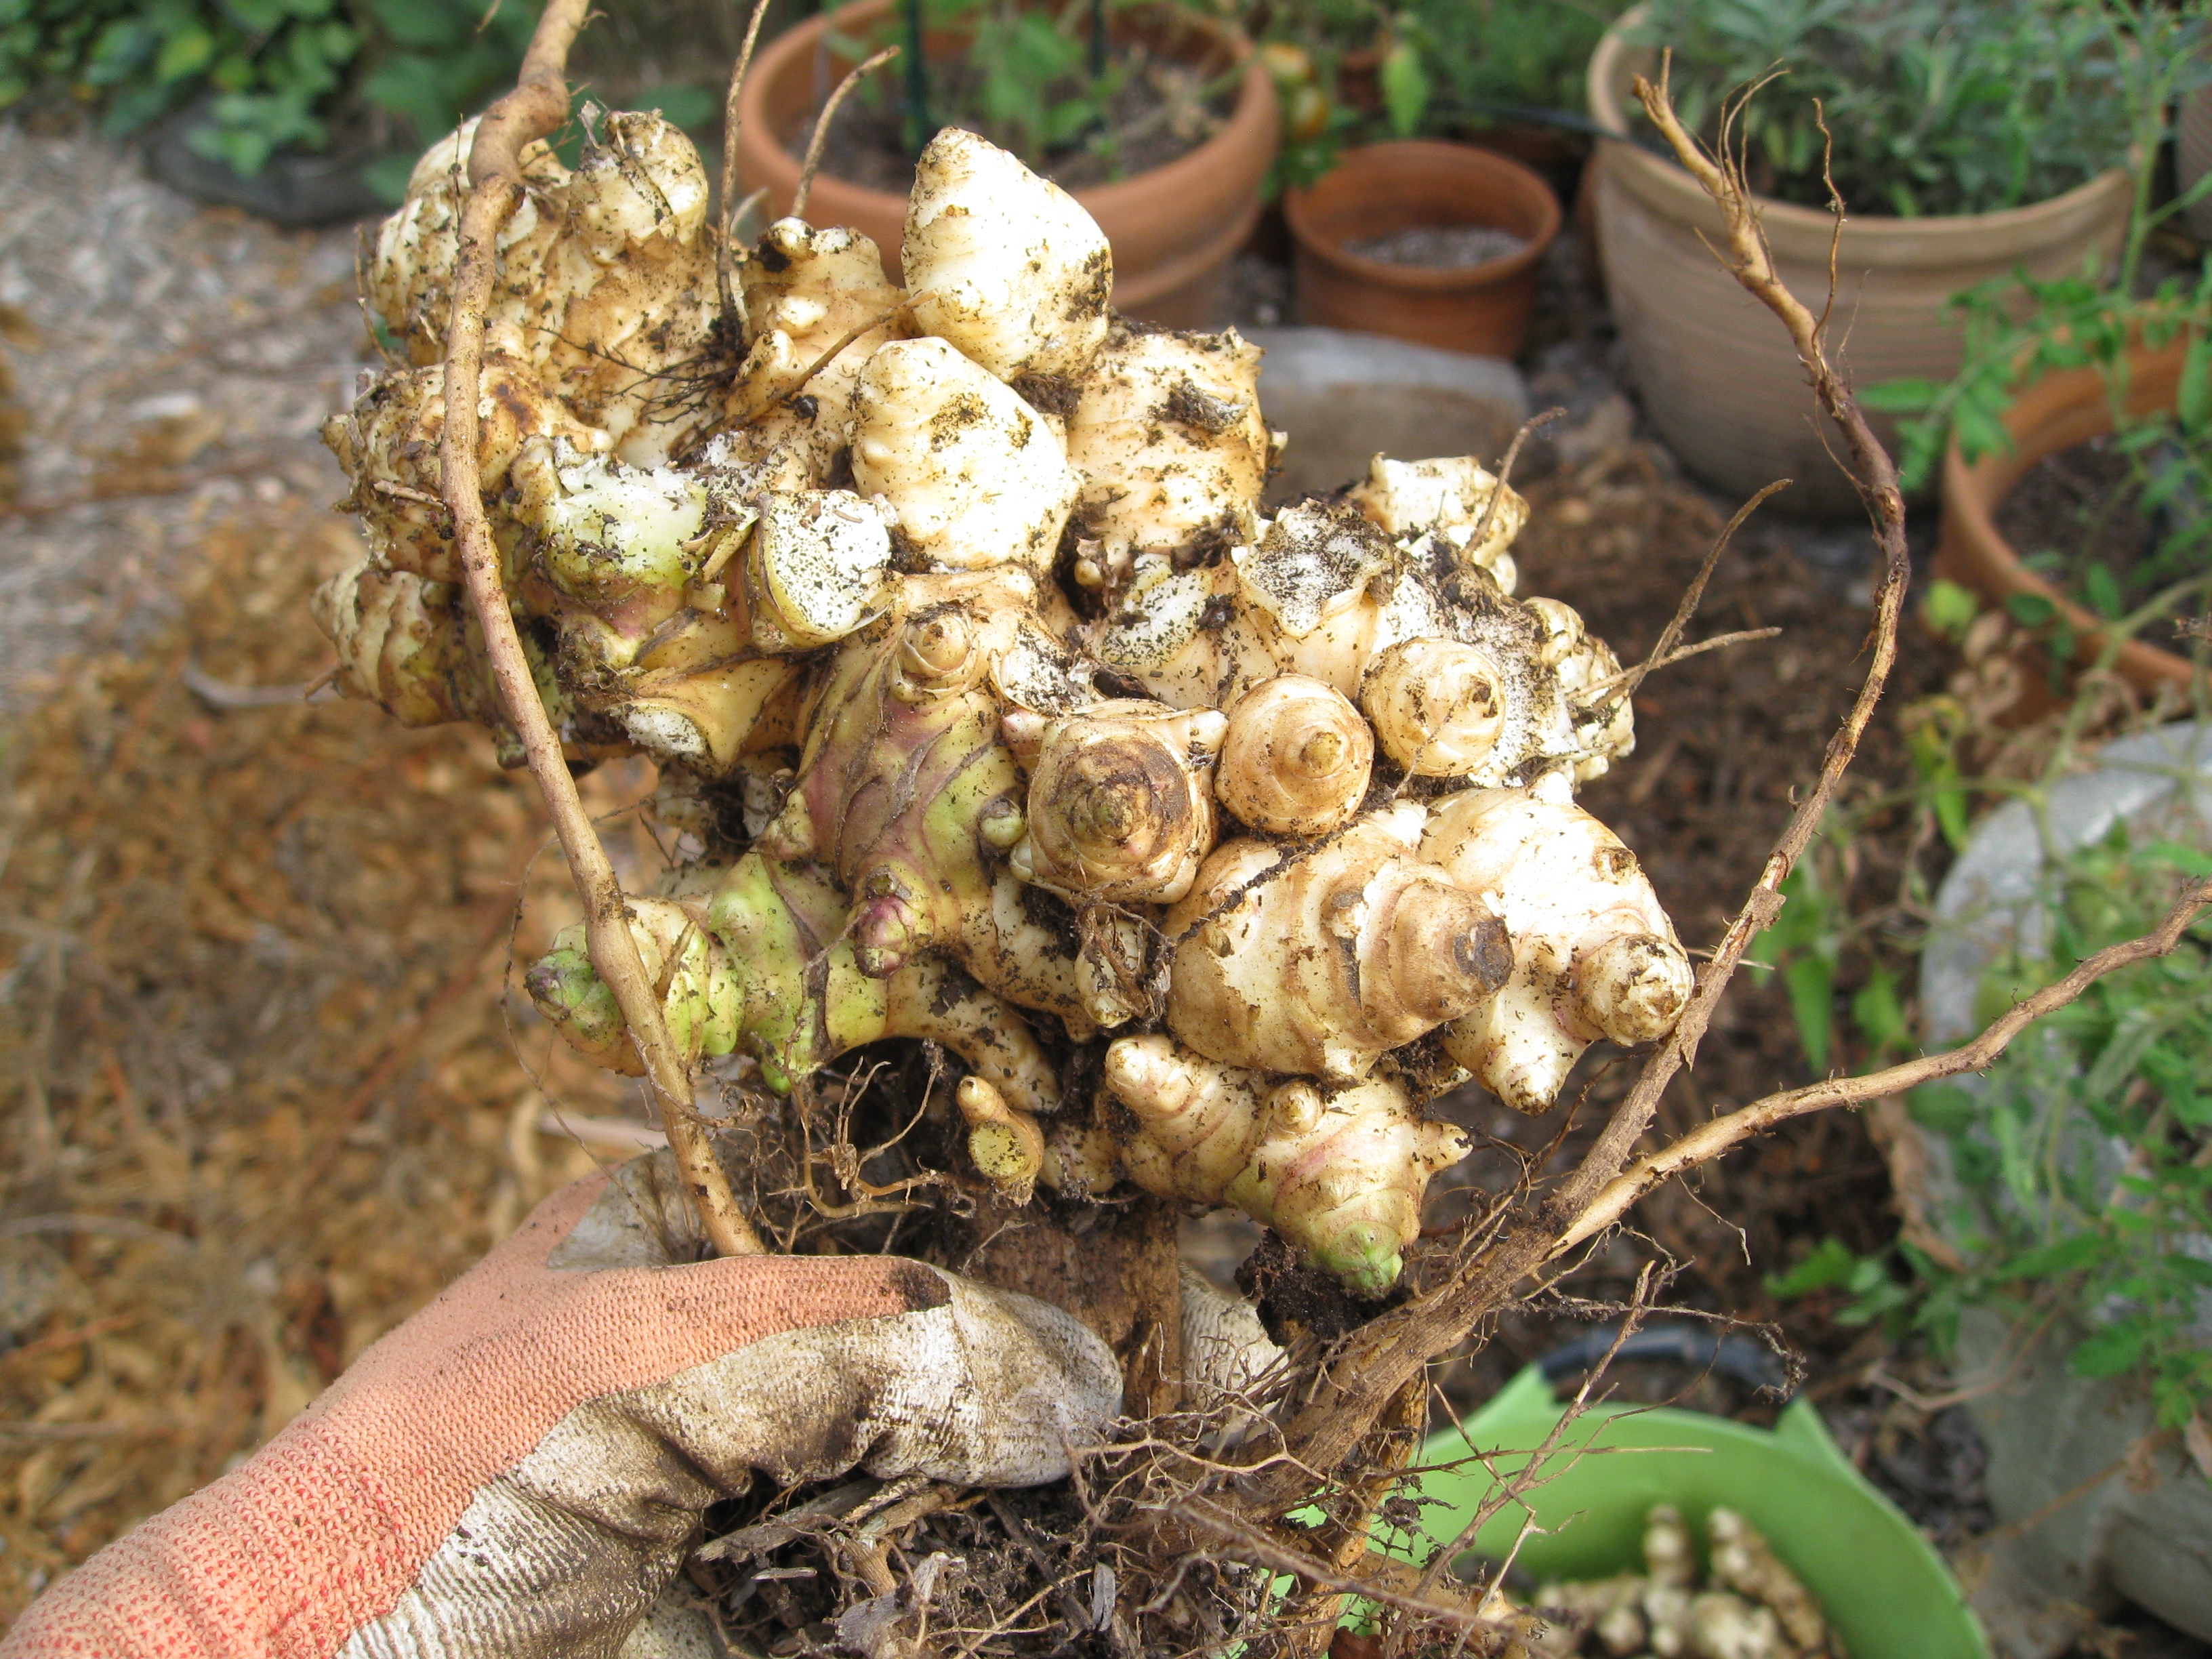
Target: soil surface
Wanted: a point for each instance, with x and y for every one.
(2081, 507)
(1159, 110)
(1439, 248)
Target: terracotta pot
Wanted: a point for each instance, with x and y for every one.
(1174, 230)
(1717, 375)
(2062, 409)
(1383, 188)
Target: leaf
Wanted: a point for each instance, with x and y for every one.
(1878, 1013)
(2031, 610)
(1949, 608)
(2193, 397)
(183, 54)
(1812, 984)
(1405, 86)
(1829, 1264)
(2102, 589)
(2109, 1352)
(2067, 1255)
(1899, 397)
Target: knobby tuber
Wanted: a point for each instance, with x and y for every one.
(962, 601)
(1755, 1607)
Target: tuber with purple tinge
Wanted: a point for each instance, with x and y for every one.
(961, 602)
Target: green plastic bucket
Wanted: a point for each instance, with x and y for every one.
(1885, 1591)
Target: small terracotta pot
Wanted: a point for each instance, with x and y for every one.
(1383, 188)
(2065, 407)
(1174, 230)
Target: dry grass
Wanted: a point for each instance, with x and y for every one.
(258, 1099)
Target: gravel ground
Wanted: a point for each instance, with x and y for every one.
(171, 363)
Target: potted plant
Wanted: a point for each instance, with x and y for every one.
(2100, 555)
(2012, 156)
(1173, 227)
(2068, 1183)
(2075, 451)
(1441, 244)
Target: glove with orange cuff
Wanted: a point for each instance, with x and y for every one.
(520, 1469)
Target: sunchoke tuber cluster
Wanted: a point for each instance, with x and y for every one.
(1753, 1608)
(991, 706)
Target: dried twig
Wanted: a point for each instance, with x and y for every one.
(733, 321)
(538, 104)
(822, 127)
(1710, 1138)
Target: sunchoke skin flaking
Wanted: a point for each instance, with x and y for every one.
(960, 601)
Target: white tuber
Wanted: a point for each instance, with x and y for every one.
(1121, 802)
(1324, 961)
(972, 475)
(1337, 1173)
(1167, 438)
(1594, 954)
(1296, 760)
(1450, 497)
(952, 607)
(1005, 265)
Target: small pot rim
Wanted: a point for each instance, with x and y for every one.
(1255, 108)
(1427, 279)
(1973, 489)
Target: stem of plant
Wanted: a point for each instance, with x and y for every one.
(919, 126)
(536, 107)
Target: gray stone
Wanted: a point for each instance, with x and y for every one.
(1346, 397)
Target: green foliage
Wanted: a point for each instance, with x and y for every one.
(2086, 1148)
(272, 72)
(1497, 57)
(2084, 1155)
(1806, 943)
(1933, 105)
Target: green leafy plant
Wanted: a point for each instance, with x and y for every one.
(1454, 60)
(1933, 106)
(2086, 1150)
(271, 74)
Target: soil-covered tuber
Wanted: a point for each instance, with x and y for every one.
(992, 707)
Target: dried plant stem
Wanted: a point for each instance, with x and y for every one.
(537, 105)
(733, 313)
(821, 135)
(1710, 1138)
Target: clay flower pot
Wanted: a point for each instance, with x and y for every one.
(1383, 188)
(1719, 378)
(1174, 230)
(2062, 409)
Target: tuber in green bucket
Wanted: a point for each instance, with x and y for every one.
(1884, 1588)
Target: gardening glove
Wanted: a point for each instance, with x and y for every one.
(519, 1468)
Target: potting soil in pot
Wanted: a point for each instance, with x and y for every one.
(1438, 247)
(2097, 506)
(1155, 110)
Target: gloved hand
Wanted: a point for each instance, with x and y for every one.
(518, 1469)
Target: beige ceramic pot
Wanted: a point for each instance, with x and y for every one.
(1717, 373)
(1174, 230)
(2062, 409)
